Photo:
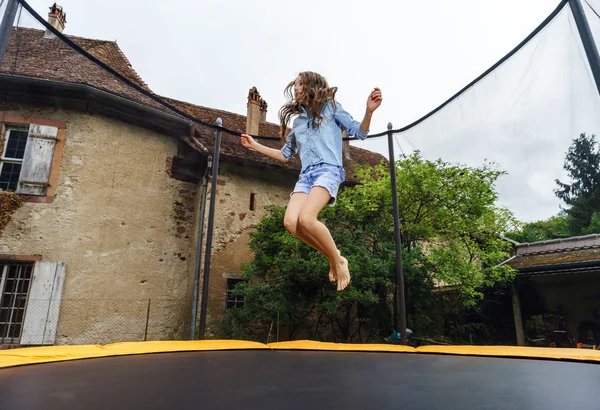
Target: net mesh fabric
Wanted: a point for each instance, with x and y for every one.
(521, 116)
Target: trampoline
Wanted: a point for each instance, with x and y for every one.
(312, 375)
(296, 375)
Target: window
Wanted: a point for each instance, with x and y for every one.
(252, 201)
(12, 158)
(234, 301)
(15, 281)
(30, 298)
(27, 157)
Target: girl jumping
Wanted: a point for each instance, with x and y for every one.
(316, 136)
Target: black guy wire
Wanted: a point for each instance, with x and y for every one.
(588, 3)
(130, 83)
(65, 39)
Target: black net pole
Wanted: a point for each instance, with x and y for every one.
(7, 24)
(587, 39)
(399, 303)
(199, 251)
(209, 230)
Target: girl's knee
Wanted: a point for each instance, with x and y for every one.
(306, 220)
(290, 224)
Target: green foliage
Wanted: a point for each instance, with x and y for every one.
(450, 229)
(594, 226)
(447, 210)
(553, 228)
(582, 195)
(288, 283)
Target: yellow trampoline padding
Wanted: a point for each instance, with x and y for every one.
(500, 351)
(341, 347)
(35, 355)
(516, 351)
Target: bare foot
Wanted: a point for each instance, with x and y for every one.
(332, 273)
(343, 274)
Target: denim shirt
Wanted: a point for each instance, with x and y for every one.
(321, 145)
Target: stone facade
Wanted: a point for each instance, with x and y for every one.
(123, 227)
(127, 230)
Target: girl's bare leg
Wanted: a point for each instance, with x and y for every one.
(290, 222)
(307, 219)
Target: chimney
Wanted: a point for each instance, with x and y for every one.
(263, 111)
(57, 19)
(257, 111)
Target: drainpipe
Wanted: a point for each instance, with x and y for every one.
(199, 250)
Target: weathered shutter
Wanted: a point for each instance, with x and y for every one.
(43, 305)
(37, 161)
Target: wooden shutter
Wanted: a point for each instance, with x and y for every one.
(37, 160)
(43, 304)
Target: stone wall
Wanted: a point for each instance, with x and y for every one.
(123, 227)
(127, 230)
(234, 221)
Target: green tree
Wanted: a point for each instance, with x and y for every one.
(450, 237)
(552, 228)
(582, 195)
(594, 226)
(447, 211)
(287, 286)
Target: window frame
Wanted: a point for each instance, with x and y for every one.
(237, 304)
(9, 121)
(7, 263)
(6, 136)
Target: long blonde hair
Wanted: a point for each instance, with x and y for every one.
(315, 95)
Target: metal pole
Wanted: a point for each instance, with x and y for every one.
(199, 251)
(209, 229)
(399, 303)
(587, 39)
(147, 321)
(6, 26)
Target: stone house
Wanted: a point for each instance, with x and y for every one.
(103, 246)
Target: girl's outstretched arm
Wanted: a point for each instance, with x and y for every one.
(250, 143)
(373, 102)
(355, 128)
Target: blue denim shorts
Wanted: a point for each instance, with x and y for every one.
(326, 176)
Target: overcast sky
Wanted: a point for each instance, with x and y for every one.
(419, 53)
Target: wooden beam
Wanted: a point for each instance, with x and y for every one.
(21, 258)
(25, 121)
(516, 304)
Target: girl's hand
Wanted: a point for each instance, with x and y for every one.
(248, 141)
(374, 100)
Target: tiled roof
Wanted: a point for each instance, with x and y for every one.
(564, 254)
(556, 258)
(29, 54)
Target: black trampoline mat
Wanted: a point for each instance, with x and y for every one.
(262, 379)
